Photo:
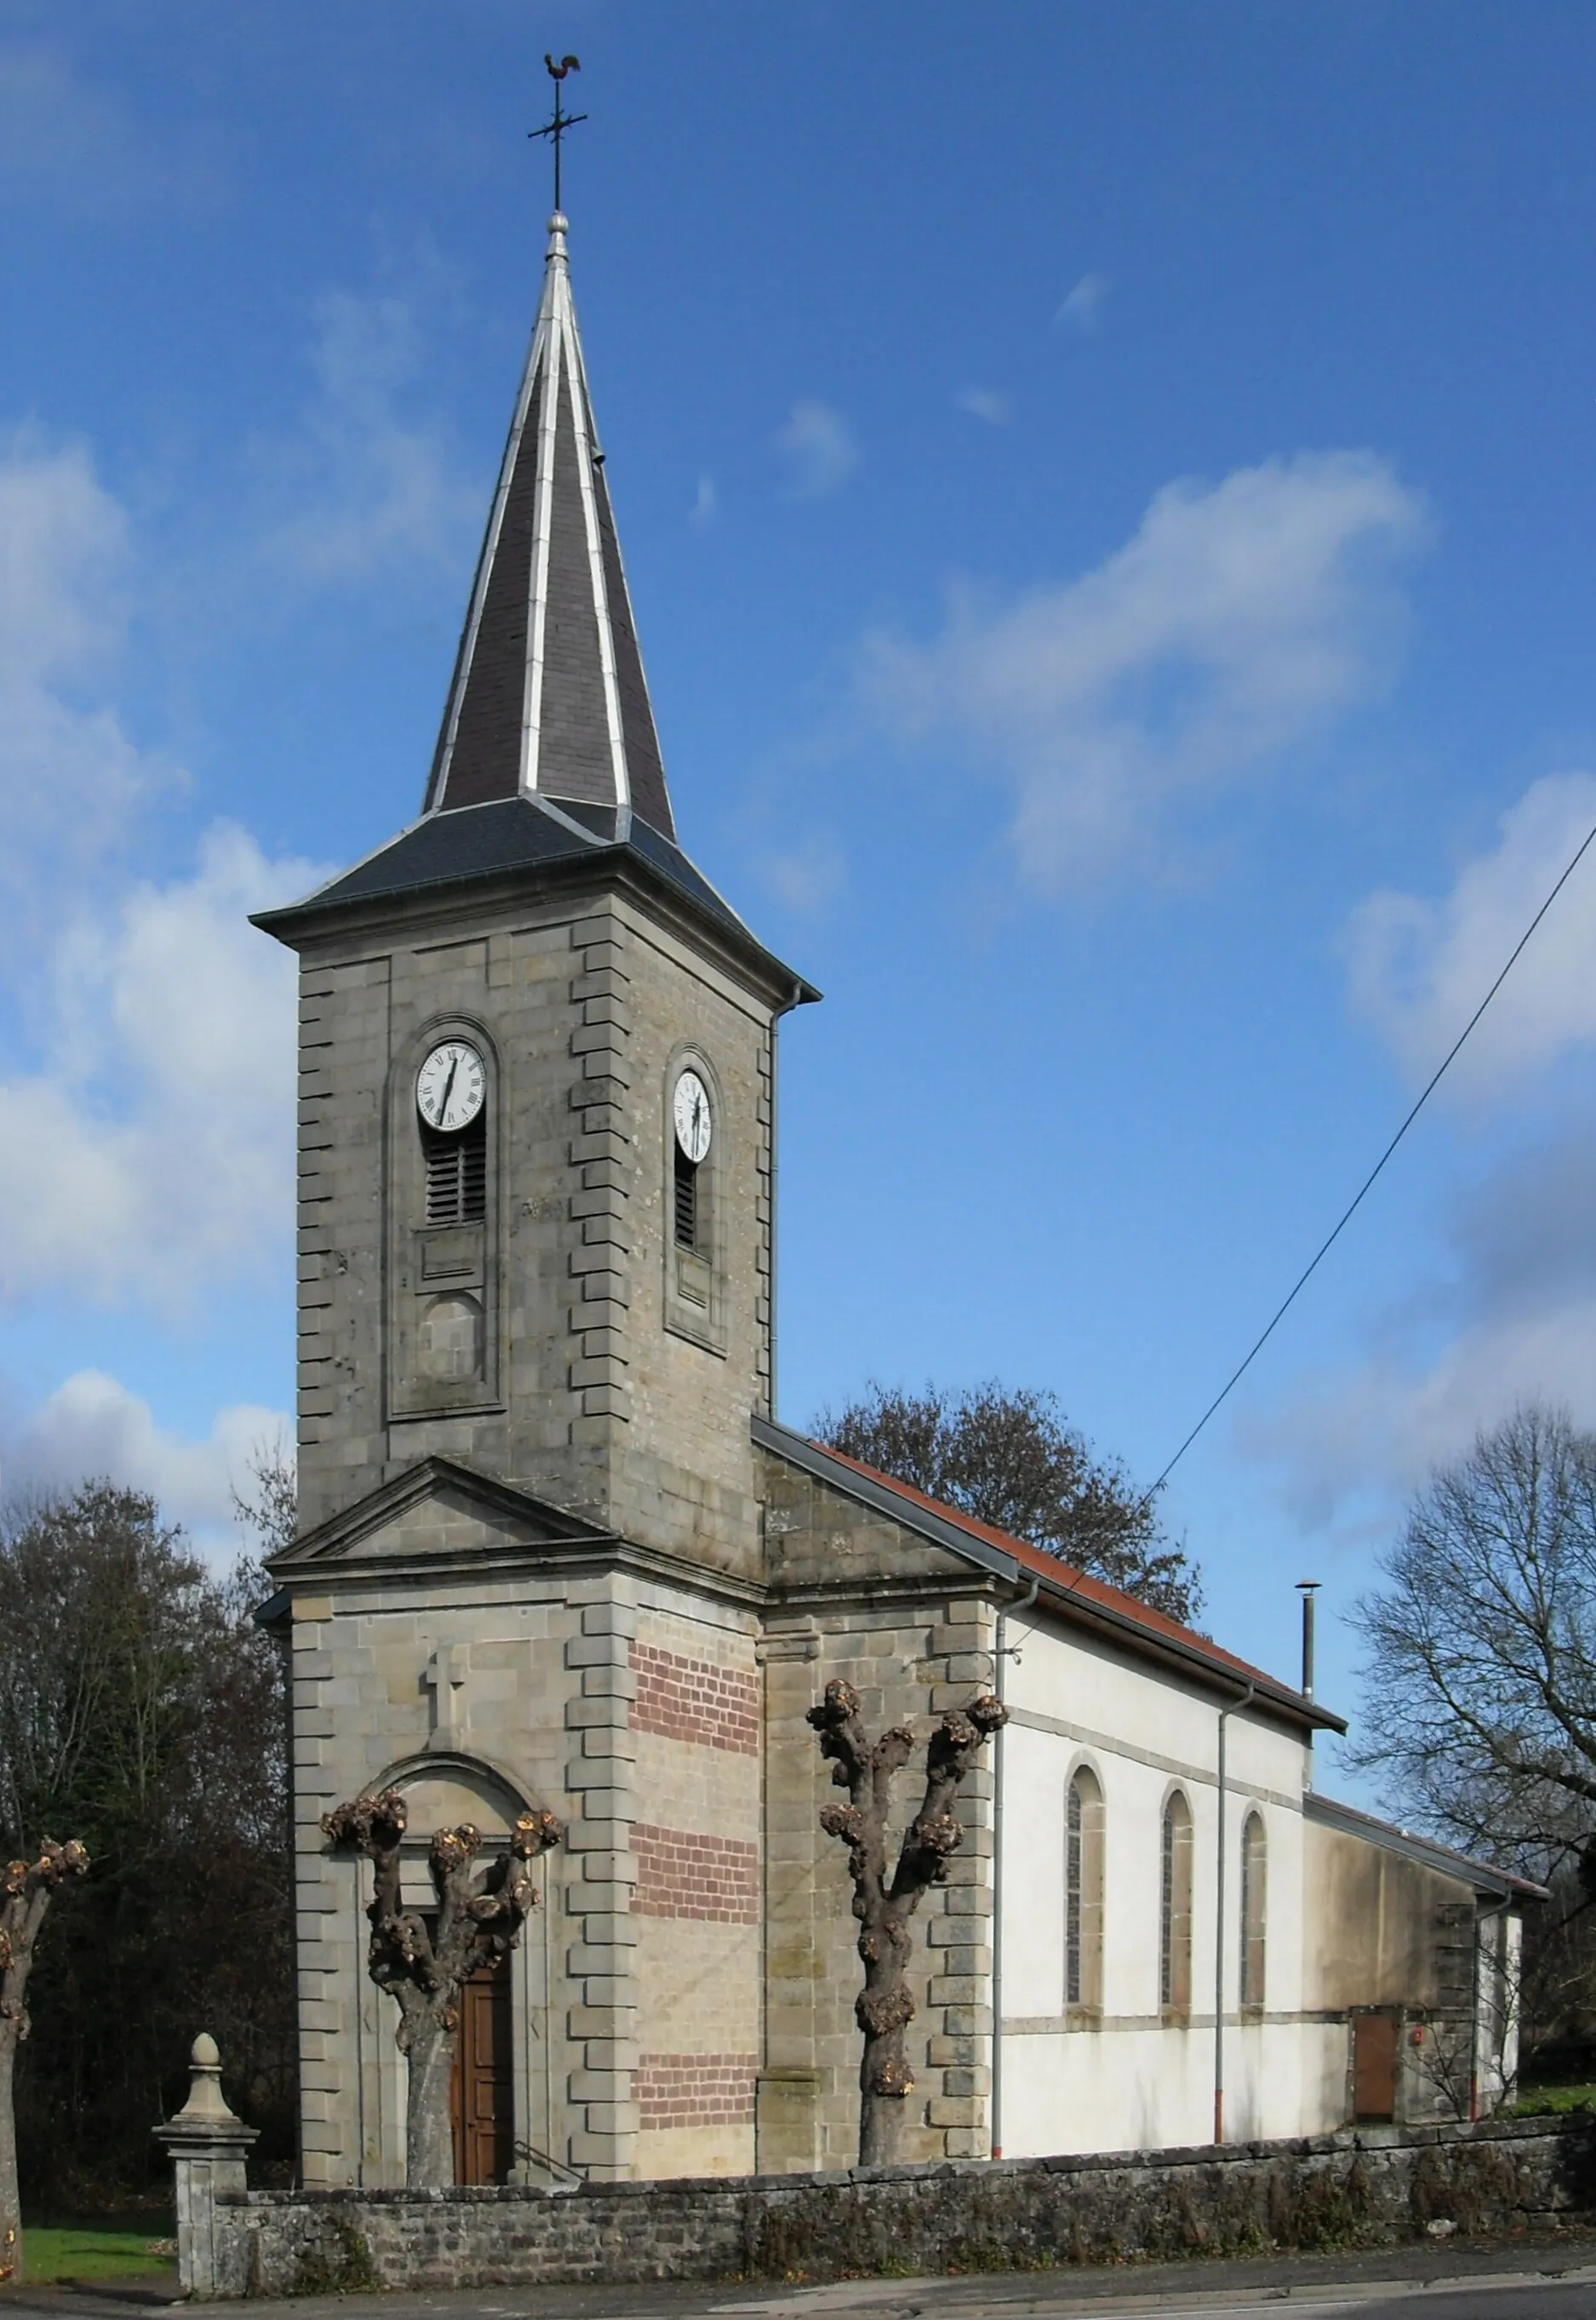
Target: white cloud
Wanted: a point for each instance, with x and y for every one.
(1509, 1314)
(706, 506)
(147, 1047)
(148, 1154)
(63, 556)
(804, 878)
(1082, 307)
(1508, 1317)
(92, 1426)
(373, 488)
(1236, 624)
(70, 776)
(76, 143)
(988, 403)
(819, 447)
(1381, 1428)
(1419, 969)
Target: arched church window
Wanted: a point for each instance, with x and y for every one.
(1083, 1898)
(1174, 1913)
(1253, 1889)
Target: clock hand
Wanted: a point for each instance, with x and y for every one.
(447, 1089)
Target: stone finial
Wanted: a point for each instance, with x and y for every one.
(206, 2105)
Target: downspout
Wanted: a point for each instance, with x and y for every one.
(1246, 1701)
(770, 1228)
(1001, 1657)
(1482, 1918)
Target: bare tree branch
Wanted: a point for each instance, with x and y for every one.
(1481, 1675)
(1006, 1456)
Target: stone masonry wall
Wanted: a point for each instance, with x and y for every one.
(591, 1392)
(684, 1699)
(1375, 2189)
(909, 1660)
(696, 1903)
(683, 1873)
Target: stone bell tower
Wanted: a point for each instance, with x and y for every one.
(536, 1064)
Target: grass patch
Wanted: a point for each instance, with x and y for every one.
(112, 2247)
(1547, 2102)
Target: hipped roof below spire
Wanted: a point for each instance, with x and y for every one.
(549, 697)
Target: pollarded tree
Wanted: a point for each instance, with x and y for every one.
(26, 1892)
(883, 1905)
(479, 1920)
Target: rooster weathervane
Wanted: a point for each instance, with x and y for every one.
(556, 128)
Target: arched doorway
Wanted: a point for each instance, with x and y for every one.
(498, 2095)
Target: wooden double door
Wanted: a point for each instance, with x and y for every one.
(481, 2097)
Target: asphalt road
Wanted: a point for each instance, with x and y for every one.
(1556, 2281)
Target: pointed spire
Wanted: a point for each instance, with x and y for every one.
(549, 697)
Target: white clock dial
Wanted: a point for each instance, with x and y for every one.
(450, 1086)
(691, 1111)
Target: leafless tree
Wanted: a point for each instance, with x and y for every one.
(1481, 1676)
(271, 1508)
(1007, 1457)
(26, 1892)
(479, 1919)
(884, 2007)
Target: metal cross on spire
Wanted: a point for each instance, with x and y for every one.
(554, 129)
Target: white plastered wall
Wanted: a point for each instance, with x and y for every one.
(1132, 2080)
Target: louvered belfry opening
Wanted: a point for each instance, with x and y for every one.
(686, 1200)
(457, 1173)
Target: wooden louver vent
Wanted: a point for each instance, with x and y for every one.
(686, 1201)
(457, 1173)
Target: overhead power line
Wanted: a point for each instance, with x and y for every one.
(1304, 1278)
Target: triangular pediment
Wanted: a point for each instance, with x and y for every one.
(437, 1510)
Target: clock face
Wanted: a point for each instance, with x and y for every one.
(451, 1086)
(691, 1111)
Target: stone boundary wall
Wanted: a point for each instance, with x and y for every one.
(1370, 2190)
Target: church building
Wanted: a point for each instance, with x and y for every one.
(557, 1552)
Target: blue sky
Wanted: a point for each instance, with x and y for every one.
(1107, 494)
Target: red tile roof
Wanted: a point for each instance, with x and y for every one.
(1066, 1585)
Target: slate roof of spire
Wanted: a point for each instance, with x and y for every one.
(549, 697)
(547, 761)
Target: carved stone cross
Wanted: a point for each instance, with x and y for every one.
(446, 1672)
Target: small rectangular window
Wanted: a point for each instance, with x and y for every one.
(457, 1173)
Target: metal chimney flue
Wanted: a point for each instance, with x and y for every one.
(1308, 1589)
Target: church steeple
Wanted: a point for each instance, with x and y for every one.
(549, 698)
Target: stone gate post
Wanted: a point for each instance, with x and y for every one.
(208, 2145)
